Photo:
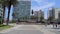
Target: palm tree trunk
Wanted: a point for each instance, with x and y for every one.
(9, 7)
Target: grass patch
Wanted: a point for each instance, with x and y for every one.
(3, 27)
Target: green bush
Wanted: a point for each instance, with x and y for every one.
(13, 21)
(0, 21)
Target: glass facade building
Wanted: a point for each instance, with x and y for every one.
(22, 9)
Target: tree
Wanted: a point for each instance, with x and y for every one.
(13, 14)
(7, 3)
(10, 2)
(0, 16)
(3, 6)
(3, 2)
(50, 18)
(0, 19)
(41, 18)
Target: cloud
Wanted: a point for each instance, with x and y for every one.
(44, 6)
(37, 0)
(47, 6)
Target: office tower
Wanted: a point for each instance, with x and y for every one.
(22, 9)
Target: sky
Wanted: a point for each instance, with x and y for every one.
(11, 11)
(40, 4)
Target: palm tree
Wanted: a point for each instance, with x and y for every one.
(13, 14)
(3, 6)
(7, 3)
(10, 2)
(0, 20)
(9, 7)
(41, 18)
(0, 16)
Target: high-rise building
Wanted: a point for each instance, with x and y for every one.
(22, 9)
(54, 12)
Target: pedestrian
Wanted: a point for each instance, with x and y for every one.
(55, 23)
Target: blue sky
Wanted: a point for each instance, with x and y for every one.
(41, 4)
(11, 11)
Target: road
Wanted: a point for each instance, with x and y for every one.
(28, 29)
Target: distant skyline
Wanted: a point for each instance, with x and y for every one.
(44, 5)
(41, 4)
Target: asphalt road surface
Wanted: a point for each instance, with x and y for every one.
(30, 29)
